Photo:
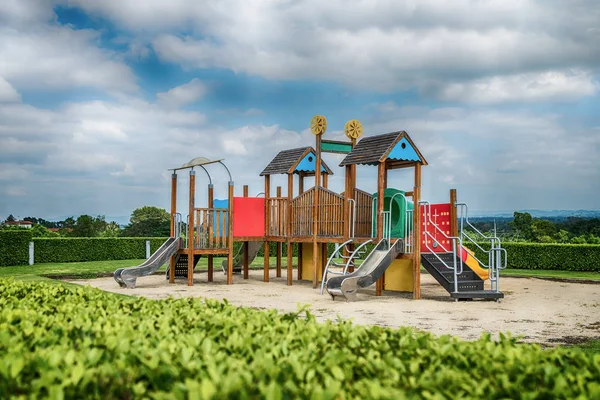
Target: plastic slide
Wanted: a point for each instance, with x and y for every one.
(126, 277)
(238, 260)
(472, 263)
(368, 273)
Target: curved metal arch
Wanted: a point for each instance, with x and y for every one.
(227, 169)
(207, 174)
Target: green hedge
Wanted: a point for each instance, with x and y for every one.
(49, 250)
(550, 256)
(14, 247)
(59, 343)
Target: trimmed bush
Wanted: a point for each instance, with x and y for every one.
(57, 342)
(550, 256)
(49, 250)
(14, 247)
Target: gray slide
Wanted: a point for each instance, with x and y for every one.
(368, 273)
(238, 260)
(126, 277)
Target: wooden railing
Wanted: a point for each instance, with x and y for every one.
(278, 210)
(302, 209)
(364, 214)
(331, 214)
(211, 228)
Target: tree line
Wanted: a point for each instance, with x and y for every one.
(525, 228)
(147, 221)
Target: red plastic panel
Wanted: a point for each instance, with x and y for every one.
(249, 216)
(440, 215)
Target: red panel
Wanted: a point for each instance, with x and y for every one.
(248, 216)
(440, 215)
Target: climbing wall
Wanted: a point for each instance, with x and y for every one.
(439, 214)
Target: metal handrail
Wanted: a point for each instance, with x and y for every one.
(352, 225)
(354, 253)
(326, 272)
(495, 258)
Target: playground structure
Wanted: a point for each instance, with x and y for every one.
(404, 231)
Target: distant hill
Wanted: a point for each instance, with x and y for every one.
(551, 214)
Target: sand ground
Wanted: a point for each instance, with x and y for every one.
(540, 311)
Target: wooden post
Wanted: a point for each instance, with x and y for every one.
(300, 183)
(300, 261)
(280, 223)
(417, 234)
(191, 225)
(230, 235)
(267, 227)
(290, 248)
(173, 212)
(325, 177)
(381, 181)
(380, 202)
(453, 214)
(245, 244)
(211, 197)
(315, 213)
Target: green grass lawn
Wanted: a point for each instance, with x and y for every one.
(594, 276)
(93, 269)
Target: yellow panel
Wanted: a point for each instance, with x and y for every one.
(399, 276)
(308, 270)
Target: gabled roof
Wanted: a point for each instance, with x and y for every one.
(286, 161)
(374, 149)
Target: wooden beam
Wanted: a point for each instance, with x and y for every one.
(453, 214)
(380, 200)
(230, 236)
(191, 224)
(300, 183)
(245, 244)
(290, 267)
(173, 212)
(325, 179)
(417, 234)
(211, 196)
(381, 183)
(315, 213)
(278, 249)
(267, 228)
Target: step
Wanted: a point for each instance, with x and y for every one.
(464, 276)
(466, 286)
(478, 294)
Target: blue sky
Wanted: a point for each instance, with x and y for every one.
(99, 99)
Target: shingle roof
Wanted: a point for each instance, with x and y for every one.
(286, 159)
(373, 149)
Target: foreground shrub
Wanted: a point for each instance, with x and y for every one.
(84, 343)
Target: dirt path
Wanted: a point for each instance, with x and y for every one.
(540, 311)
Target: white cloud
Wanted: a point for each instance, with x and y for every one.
(8, 93)
(443, 49)
(549, 86)
(179, 96)
(37, 53)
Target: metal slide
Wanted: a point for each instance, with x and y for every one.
(126, 277)
(238, 260)
(369, 271)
